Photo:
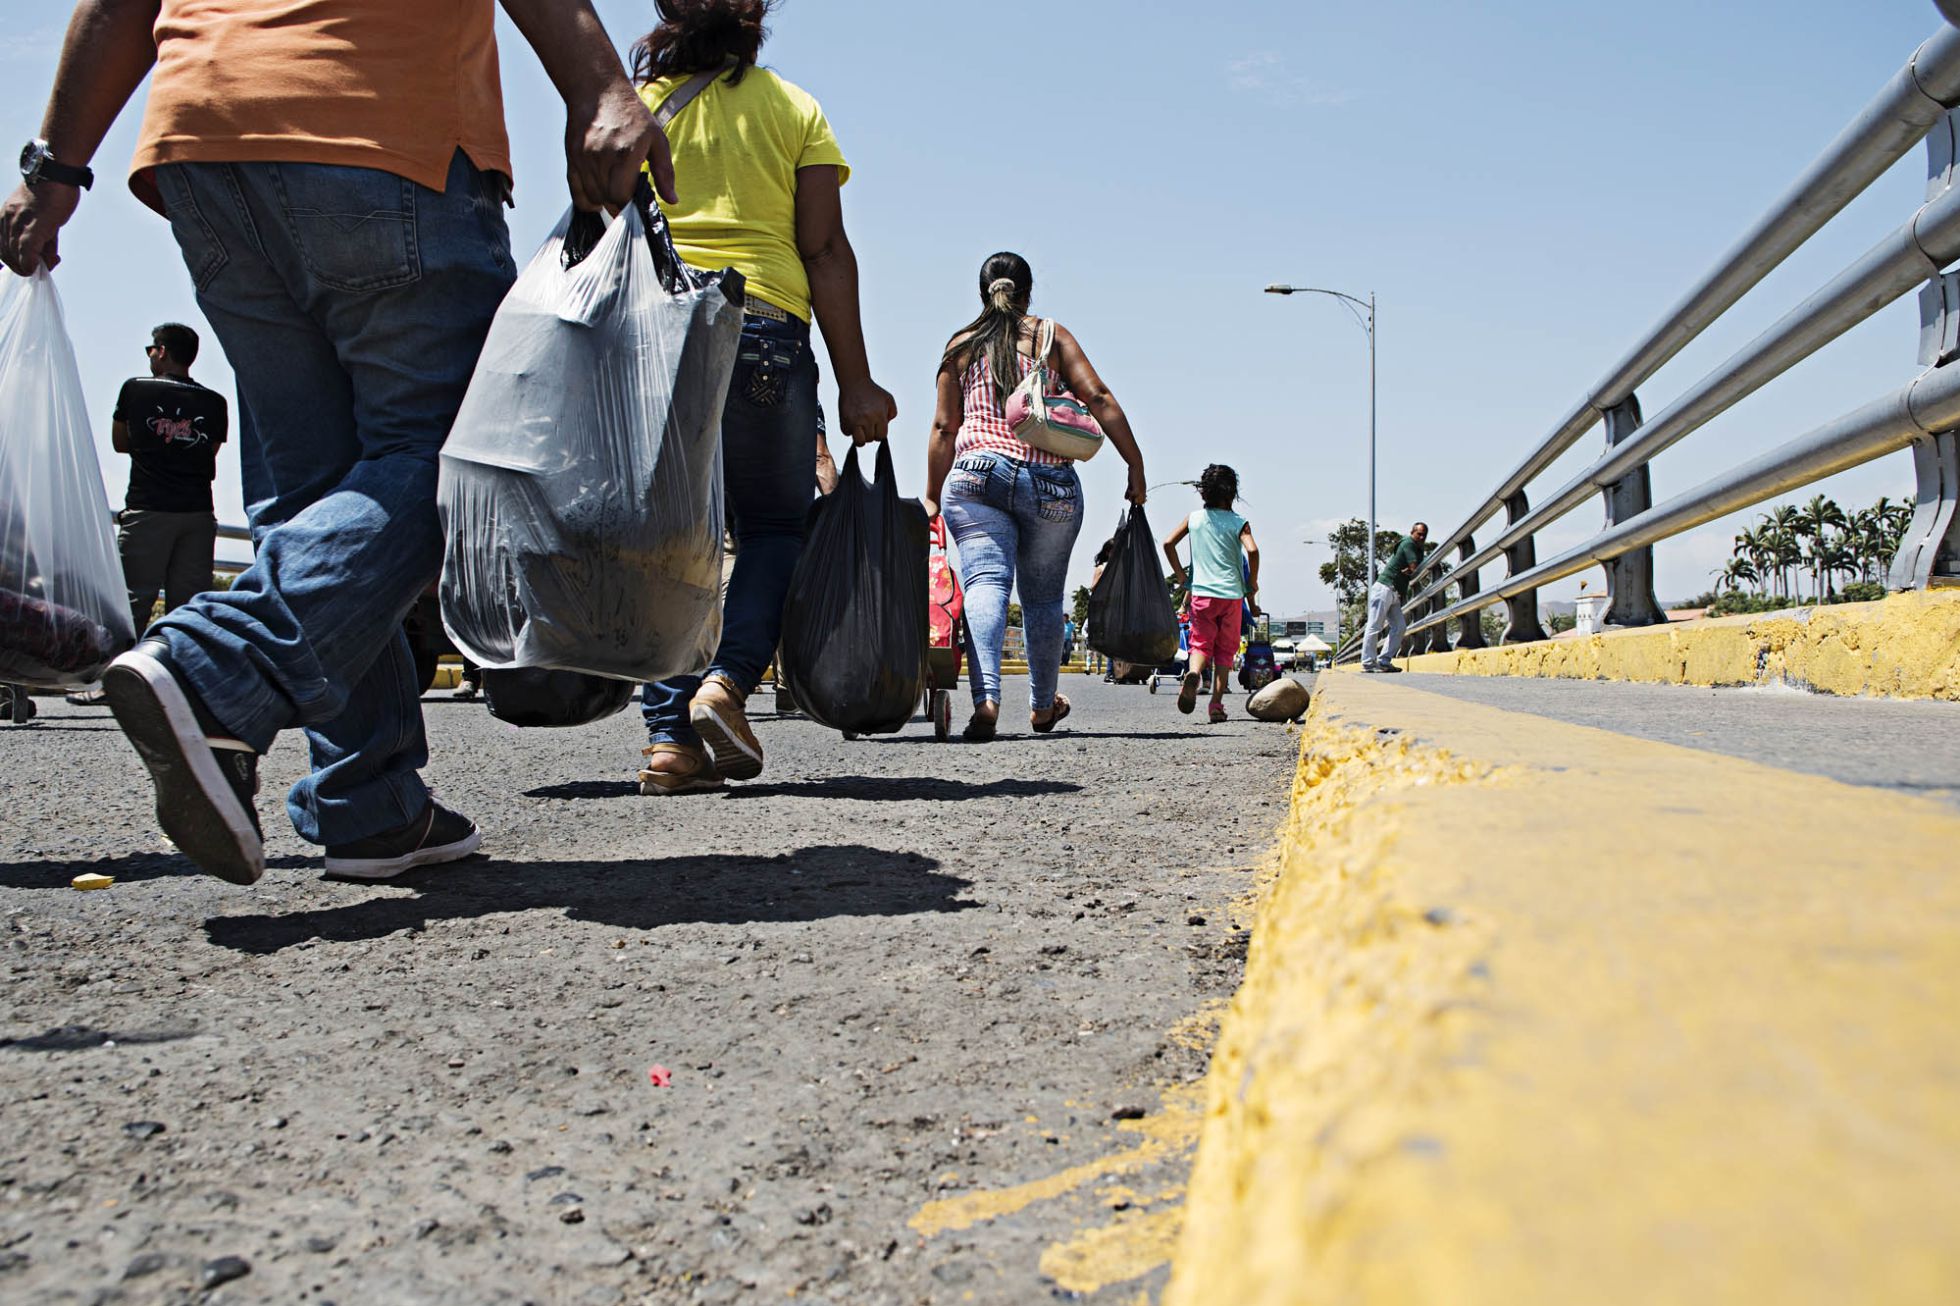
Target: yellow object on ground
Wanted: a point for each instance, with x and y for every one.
(1904, 646)
(92, 881)
(1536, 1013)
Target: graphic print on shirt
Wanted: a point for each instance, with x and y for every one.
(177, 429)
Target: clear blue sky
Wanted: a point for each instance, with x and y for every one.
(1525, 184)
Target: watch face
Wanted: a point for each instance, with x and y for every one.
(28, 155)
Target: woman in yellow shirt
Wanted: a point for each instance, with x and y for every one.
(759, 174)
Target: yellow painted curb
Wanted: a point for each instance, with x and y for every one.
(1904, 646)
(1536, 1013)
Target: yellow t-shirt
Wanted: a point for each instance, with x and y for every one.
(736, 152)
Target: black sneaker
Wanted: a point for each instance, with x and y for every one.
(1389, 669)
(438, 835)
(205, 779)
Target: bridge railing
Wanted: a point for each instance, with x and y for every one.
(1915, 106)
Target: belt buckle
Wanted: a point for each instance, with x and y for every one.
(755, 307)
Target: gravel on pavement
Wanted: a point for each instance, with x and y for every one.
(889, 973)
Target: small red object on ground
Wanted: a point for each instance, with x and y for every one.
(660, 1077)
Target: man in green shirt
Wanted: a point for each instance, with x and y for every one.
(1392, 581)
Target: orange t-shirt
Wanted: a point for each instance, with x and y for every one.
(397, 85)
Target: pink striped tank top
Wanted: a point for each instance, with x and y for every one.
(982, 428)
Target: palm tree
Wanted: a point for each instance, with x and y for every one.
(1753, 545)
(1834, 555)
(1892, 521)
(1814, 520)
(1785, 545)
(1734, 573)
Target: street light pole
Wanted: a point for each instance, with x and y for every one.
(1353, 304)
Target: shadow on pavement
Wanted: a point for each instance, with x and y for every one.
(130, 868)
(723, 889)
(127, 869)
(1014, 736)
(904, 789)
(587, 789)
(75, 1038)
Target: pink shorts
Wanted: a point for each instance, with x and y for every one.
(1215, 628)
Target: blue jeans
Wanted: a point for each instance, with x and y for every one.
(769, 466)
(352, 304)
(1013, 521)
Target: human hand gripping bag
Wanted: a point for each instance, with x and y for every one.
(581, 486)
(855, 625)
(64, 612)
(1131, 618)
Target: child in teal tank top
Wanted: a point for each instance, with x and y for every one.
(1220, 591)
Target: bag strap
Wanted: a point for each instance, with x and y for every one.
(683, 95)
(1044, 341)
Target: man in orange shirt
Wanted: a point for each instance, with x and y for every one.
(335, 173)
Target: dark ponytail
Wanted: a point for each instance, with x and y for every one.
(1006, 285)
(696, 35)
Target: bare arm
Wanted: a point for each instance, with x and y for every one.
(608, 132)
(949, 411)
(1089, 388)
(107, 53)
(119, 436)
(865, 409)
(1251, 547)
(1171, 542)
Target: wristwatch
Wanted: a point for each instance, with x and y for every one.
(38, 165)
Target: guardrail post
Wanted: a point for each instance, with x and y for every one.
(1629, 577)
(1434, 640)
(1929, 552)
(1469, 626)
(1521, 608)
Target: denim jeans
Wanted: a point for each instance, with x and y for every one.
(1383, 633)
(352, 304)
(1013, 522)
(769, 466)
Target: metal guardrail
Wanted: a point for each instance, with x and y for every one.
(1916, 106)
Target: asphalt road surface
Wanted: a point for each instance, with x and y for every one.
(1910, 746)
(890, 977)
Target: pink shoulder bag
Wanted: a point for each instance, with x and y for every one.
(1042, 413)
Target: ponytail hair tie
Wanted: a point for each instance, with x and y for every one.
(998, 284)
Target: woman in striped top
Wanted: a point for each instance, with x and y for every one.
(1013, 510)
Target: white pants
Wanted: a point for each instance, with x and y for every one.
(1384, 617)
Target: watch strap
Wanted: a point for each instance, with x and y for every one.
(38, 165)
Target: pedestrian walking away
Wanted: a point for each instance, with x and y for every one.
(1014, 510)
(1222, 585)
(1382, 637)
(772, 210)
(335, 173)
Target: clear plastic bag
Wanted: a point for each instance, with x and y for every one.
(856, 625)
(1131, 618)
(64, 611)
(581, 486)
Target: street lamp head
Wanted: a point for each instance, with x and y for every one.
(1278, 289)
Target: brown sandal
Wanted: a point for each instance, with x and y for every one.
(1057, 712)
(699, 777)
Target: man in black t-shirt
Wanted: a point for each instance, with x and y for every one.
(171, 427)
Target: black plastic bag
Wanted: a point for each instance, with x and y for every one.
(1131, 618)
(536, 697)
(854, 629)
